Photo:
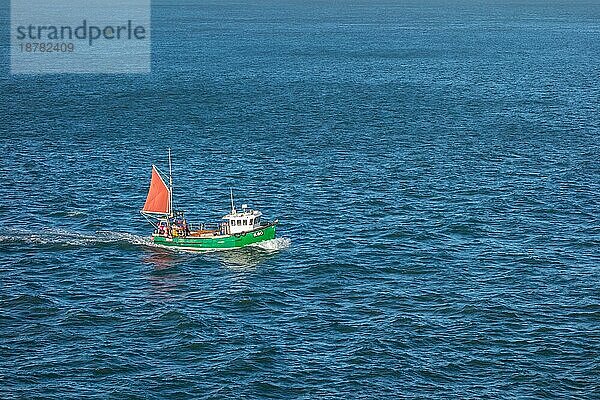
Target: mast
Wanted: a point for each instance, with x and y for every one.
(232, 206)
(170, 185)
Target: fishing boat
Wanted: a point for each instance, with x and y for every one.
(171, 229)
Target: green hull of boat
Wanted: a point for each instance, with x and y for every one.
(223, 242)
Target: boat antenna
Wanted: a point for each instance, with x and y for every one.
(232, 206)
(170, 185)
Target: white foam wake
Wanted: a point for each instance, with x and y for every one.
(57, 236)
(111, 237)
(274, 244)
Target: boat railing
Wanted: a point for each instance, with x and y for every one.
(206, 227)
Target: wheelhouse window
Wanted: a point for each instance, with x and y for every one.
(245, 222)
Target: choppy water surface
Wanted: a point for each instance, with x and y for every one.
(435, 168)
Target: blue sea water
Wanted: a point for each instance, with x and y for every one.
(435, 167)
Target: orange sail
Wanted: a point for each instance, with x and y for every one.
(159, 197)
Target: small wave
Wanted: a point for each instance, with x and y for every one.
(69, 214)
(274, 244)
(76, 214)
